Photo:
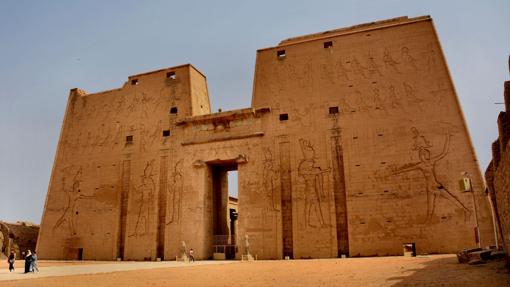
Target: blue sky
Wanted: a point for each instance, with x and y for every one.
(49, 47)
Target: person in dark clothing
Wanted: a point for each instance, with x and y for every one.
(191, 255)
(11, 260)
(28, 262)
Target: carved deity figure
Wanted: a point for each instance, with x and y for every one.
(270, 176)
(146, 191)
(408, 59)
(315, 195)
(427, 165)
(176, 193)
(72, 194)
(389, 62)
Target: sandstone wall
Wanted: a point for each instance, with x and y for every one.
(402, 134)
(18, 237)
(498, 172)
(353, 145)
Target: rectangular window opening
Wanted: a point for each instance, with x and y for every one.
(173, 110)
(284, 117)
(134, 82)
(171, 75)
(166, 133)
(328, 44)
(280, 54)
(333, 110)
(129, 139)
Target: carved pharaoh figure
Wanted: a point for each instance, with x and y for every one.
(73, 195)
(146, 191)
(389, 62)
(427, 165)
(315, 195)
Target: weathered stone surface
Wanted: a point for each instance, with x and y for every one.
(479, 257)
(354, 145)
(463, 256)
(18, 237)
(497, 174)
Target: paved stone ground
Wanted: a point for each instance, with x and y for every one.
(69, 268)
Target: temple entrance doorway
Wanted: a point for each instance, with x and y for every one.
(224, 202)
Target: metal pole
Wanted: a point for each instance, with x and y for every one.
(494, 225)
(478, 239)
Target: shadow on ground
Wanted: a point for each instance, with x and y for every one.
(448, 272)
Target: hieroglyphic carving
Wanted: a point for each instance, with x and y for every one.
(300, 75)
(341, 71)
(145, 190)
(176, 194)
(361, 104)
(134, 102)
(327, 73)
(372, 67)
(389, 62)
(270, 183)
(146, 102)
(148, 136)
(407, 58)
(427, 165)
(378, 99)
(357, 68)
(411, 98)
(393, 98)
(315, 194)
(73, 194)
(430, 57)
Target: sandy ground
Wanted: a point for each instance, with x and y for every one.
(438, 270)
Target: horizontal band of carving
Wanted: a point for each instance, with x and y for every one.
(228, 115)
(235, 137)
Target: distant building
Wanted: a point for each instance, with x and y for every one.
(353, 145)
(18, 237)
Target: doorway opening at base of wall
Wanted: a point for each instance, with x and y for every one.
(80, 253)
(409, 249)
(223, 175)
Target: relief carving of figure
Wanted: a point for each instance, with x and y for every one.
(73, 194)
(373, 68)
(357, 68)
(389, 62)
(315, 195)
(394, 98)
(176, 193)
(408, 59)
(430, 57)
(327, 73)
(146, 190)
(270, 176)
(341, 71)
(412, 99)
(427, 165)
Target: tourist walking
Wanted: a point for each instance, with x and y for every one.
(28, 261)
(191, 257)
(34, 266)
(11, 260)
